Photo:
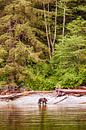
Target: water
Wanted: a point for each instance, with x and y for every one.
(51, 117)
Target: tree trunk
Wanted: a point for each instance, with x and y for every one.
(71, 91)
(54, 39)
(51, 43)
(47, 33)
(63, 31)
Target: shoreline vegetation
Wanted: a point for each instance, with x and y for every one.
(43, 43)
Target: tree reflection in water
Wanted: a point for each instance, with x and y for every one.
(42, 118)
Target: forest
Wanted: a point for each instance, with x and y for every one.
(43, 43)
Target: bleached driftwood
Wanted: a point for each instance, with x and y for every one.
(60, 92)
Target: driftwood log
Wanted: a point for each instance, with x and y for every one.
(61, 92)
(14, 96)
(10, 97)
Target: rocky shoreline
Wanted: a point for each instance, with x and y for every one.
(32, 97)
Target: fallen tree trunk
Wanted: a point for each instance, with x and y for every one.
(14, 96)
(10, 97)
(60, 92)
(17, 95)
(61, 100)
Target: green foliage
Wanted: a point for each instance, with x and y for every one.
(24, 53)
(69, 62)
(40, 83)
(36, 76)
(77, 26)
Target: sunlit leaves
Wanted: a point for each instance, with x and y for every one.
(77, 27)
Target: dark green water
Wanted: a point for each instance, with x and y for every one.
(42, 118)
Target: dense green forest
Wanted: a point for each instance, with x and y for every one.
(43, 43)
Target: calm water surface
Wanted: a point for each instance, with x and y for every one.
(42, 118)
